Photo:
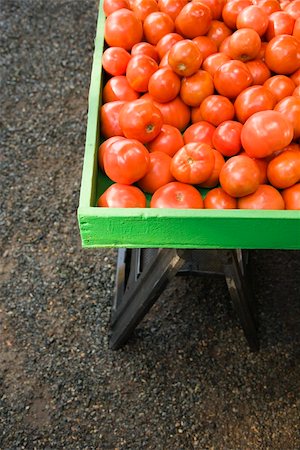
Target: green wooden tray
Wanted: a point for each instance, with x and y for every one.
(168, 228)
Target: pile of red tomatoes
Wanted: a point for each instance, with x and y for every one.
(201, 94)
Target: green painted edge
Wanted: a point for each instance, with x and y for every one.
(168, 228)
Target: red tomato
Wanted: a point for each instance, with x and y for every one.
(142, 8)
(140, 119)
(177, 195)
(252, 100)
(215, 6)
(283, 54)
(290, 108)
(280, 86)
(227, 138)
(218, 31)
(185, 58)
(175, 112)
(224, 47)
(293, 9)
(280, 22)
(169, 141)
(158, 173)
(109, 6)
(123, 29)
(139, 70)
(166, 42)
(232, 78)
(115, 60)
(295, 77)
(118, 88)
(232, 9)
(239, 176)
(122, 196)
(216, 108)
(244, 44)
(144, 48)
(265, 132)
(187, 22)
(193, 163)
(259, 71)
(206, 46)
(103, 147)
(109, 119)
(126, 161)
(196, 88)
(213, 179)
(296, 30)
(265, 197)
(253, 17)
(269, 6)
(217, 198)
(214, 61)
(164, 85)
(284, 170)
(291, 197)
(296, 91)
(199, 132)
(171, 7)
(157, 25)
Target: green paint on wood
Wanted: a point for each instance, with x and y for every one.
(168, 228)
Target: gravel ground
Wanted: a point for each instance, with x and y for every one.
(186, 380)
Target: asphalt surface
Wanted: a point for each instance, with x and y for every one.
(186, 379)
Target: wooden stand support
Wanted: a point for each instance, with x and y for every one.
(142, 275)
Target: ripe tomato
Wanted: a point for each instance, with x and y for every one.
(109, 6)
(102, 148)
(122, 196)
(215, 6)
(193, 163)
(177, 195)
(115, 60)
(193, 20)
(109, 119)
(196, 88)
(227, 138)
(171, 7)
(265, 132)
(280, 22)
(217, 198)
(166, 42)
(139, 70)
(290, 108)
(169, 140)
(216, 108)
(262, 165)
(142, 8)
(253, 17)
(265, 197)
(164, 85)
(214, 61)
(296, 30)
(232, 78)
(280, 86)
(158, 173)
(118, 88)
(144, 48)
(293, 9)
(206, 46)
(284, 170)
(291, 197)
(269, 6)
(232, 9)
(295, 77)
(224, 47)
(296, 91)
(199, 132)
(213, 179)
(259, 71)
(244, 44)
(252, 100)
(157, 25)
(218, 31)
(140, 119)
(239, 176)
(283, 54)
(185, 58)
(123, 29)
(175, 112)
(126, 161)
